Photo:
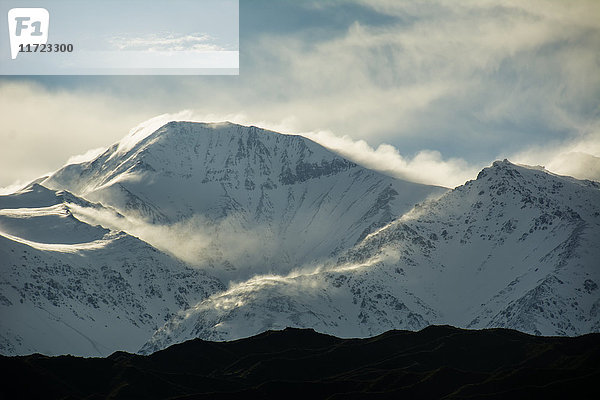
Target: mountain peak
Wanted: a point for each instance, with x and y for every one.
(227, 151)
(503, 163)
(506, 168)
(217, 152)
(303, 200)
(511, 174)
(150, 132)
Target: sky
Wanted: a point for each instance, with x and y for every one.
(164, 34)
(427, 91)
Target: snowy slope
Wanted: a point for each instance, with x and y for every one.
(232, 200)
(516, 248)
(69, 287)
(134, 245)
(236, 184)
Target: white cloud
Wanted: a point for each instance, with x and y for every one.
(452, 85)
(577, 164)
(200, 241)
(13, 187)
(42, 128)
(87, 156)
(427, 166)
(579, 157)
(167, 42)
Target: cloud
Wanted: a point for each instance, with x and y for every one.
(451, 85)
(167, 42)
(579, 165)
(427, 166)
(87, 156)
(42, 128)
(13, 187)
(222, 248)
(465, 69)
(579, 157)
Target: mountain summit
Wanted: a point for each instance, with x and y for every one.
(281, 196)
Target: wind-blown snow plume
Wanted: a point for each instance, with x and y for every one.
(197, 241)
(427, 166)
(578, 157)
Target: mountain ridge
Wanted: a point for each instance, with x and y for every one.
(220, 231)
(513, 248)
(88, 288)
(436, 362)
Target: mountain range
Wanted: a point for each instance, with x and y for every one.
(221, 231)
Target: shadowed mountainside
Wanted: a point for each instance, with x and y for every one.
(436, 362)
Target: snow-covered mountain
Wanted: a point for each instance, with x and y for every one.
(222, 231)
(229, 200)
(517, 248)
(266, 202)
(70, 287)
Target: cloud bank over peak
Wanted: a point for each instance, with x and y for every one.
(448, 86)
(579, 158)
(427, 166)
